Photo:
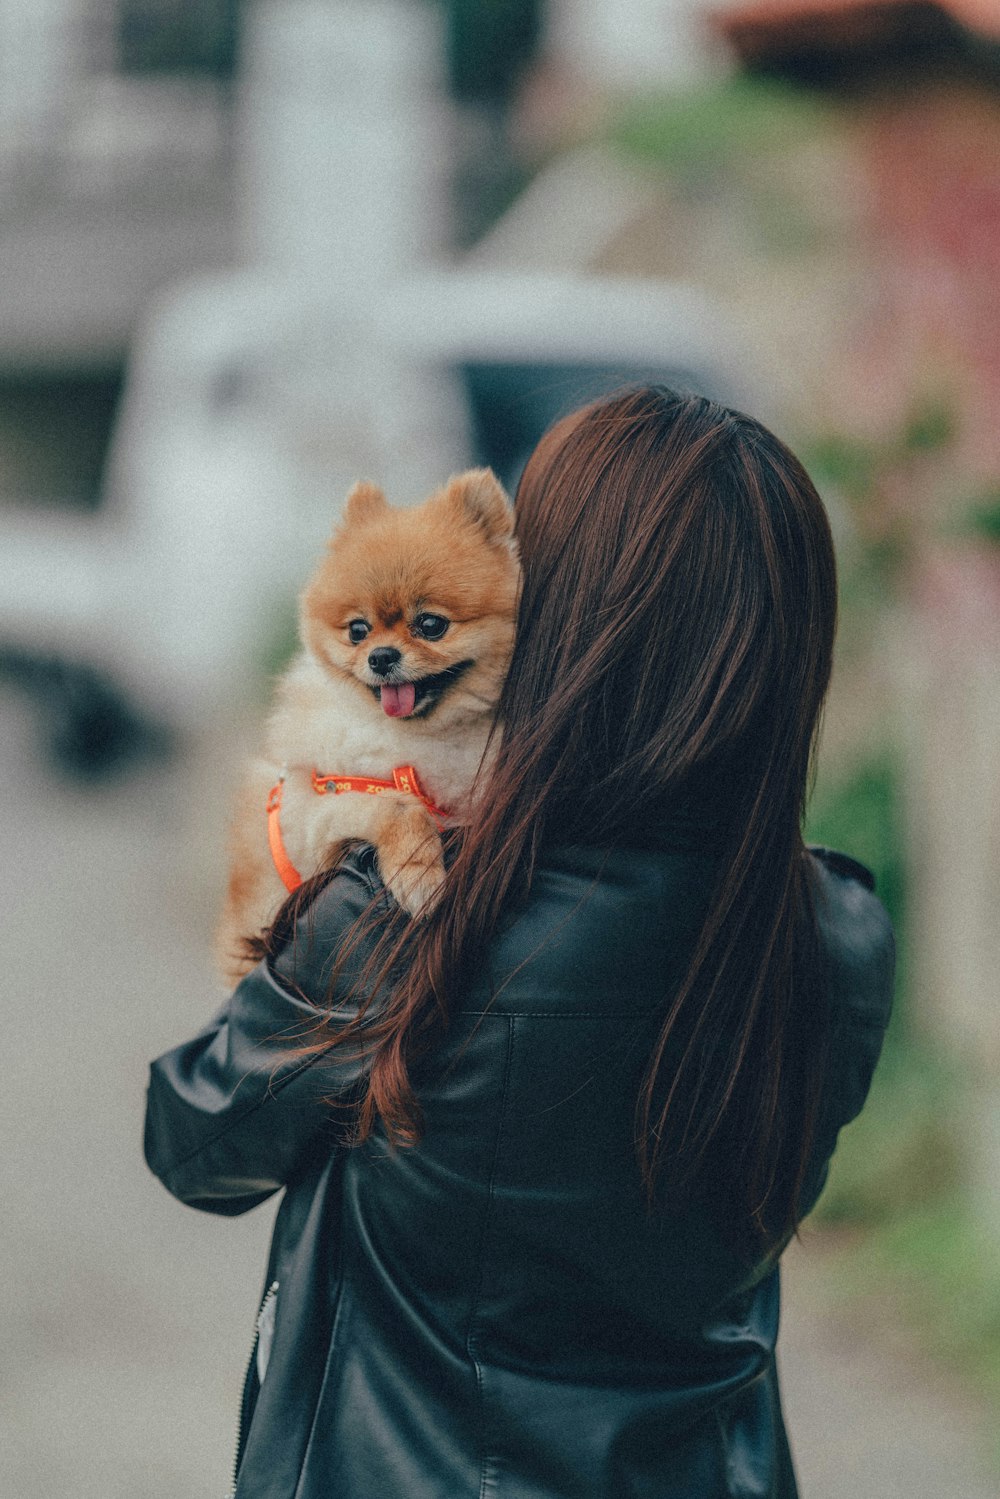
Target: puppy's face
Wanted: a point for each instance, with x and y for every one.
(416, 606)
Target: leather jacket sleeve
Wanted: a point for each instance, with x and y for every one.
(232, 1113)
(857, 938)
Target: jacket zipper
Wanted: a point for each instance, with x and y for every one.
(269, 1296)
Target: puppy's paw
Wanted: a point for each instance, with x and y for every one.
(417, 887)
(411, 860)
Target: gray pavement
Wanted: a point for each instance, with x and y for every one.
(869, 1417)
(126, 1318)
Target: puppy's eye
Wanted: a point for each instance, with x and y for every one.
(357, 630)
(430, 626)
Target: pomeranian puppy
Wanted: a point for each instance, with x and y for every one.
(406, 632)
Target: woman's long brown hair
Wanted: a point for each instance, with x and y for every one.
(674, 642)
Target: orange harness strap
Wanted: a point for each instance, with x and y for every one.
(404, 778)
(290, 877)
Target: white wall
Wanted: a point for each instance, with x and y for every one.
(342, 143)
(41, 54)
(618, 42)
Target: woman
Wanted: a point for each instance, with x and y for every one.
(542, 1151)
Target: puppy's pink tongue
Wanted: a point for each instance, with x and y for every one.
(398, 702)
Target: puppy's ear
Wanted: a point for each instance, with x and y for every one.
(364, 502)
(478, 495)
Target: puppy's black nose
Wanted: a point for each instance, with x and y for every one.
(383, 658)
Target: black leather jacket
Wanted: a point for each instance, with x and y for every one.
(494, 1314)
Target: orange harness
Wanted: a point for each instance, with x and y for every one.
(404, 778)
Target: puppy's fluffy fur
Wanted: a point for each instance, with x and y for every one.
(436, 584)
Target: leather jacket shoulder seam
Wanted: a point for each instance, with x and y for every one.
(557, 1014)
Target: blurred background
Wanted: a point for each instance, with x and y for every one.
(252, 252)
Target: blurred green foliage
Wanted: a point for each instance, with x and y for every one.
(896, 1174)
(893, 486)
(933, 1268)
(733, 142)
(982, 518)
(900, 1156)
(697, 132)
(848, 464)
(859, 467)
(860, 814)
(941, 1244)
(931, 424)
